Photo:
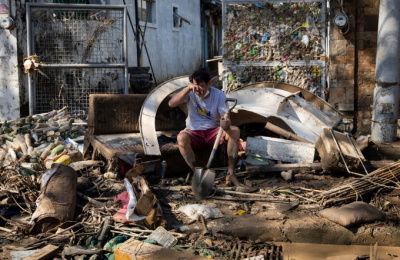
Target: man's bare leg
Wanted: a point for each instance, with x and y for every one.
(186, 149)
(232, 137)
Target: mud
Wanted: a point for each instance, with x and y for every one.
(282, 221)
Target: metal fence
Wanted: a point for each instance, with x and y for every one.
(82, 50)
(274, 40)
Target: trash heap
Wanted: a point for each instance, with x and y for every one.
(55, 203)
(274, 32)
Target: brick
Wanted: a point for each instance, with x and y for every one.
(368, 67)
(371, 23)
(333, 84)
(346, 83)
(333, 70)
(337, 95)
(349, 96)
(347, 72)
(371, 11)
(338, 47)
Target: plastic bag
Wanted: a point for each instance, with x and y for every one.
(130, 214)
(193, 211)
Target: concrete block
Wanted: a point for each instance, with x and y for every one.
(280, 149)
(138, 250)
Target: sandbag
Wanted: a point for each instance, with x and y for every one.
(357, 212)
(57, 200)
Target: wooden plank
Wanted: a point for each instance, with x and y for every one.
(135, 250)
(45, 253)
(280, 149)
(284, 167)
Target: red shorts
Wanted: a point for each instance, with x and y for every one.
(204, 138)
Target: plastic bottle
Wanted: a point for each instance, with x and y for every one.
(64, 159)
(163, 168)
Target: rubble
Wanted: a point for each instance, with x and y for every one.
(275, 191)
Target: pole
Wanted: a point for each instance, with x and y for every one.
(385, 105)
(139, 62)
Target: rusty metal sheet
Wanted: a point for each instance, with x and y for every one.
(149, 110)
(280, 149)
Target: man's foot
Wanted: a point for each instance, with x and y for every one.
(231, 179)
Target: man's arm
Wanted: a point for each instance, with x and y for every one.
(179, 97)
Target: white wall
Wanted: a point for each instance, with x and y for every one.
(173, 52)
(9, 84)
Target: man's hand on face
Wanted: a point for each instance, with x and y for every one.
(225, 123)
(199, 89)
(196, 89)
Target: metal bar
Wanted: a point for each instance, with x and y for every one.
(126, 87)
(269, 1)
(340, 150)
(138, 55)
(75, 6)
(276, 63)
(358, 155)
(29, 50)
(84, 65)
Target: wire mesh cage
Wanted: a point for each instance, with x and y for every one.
(273, 31)
(282, 41)
(71, 87)
(82, 49)
(307, 77)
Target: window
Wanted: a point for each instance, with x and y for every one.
(147, 10)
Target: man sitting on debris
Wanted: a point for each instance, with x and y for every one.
(206, 109)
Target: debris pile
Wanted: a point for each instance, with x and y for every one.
(263, 41)
(273, 32)
(383, 178)
(57, 203)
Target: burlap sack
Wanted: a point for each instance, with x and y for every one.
(57, 201)
(352, 214)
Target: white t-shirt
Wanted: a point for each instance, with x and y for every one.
(204, 113)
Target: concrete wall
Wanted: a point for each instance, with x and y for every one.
(9, 75)
(173, 51)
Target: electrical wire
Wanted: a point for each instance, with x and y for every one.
(347, 18)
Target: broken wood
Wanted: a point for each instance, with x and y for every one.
(93, 201)
(47, 252)
(250, 199)
(284, 167)
(355, 189)
(286, 134)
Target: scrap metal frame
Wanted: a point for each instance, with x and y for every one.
(321, 63)
(30, 44)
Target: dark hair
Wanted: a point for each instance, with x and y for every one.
(200, 76)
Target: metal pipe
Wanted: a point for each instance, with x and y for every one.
(84, 65)
(356, 150)
(385, 105)
(76, 6)
(340, 150)
(138, 58)
(29, 49)
(126, 87)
